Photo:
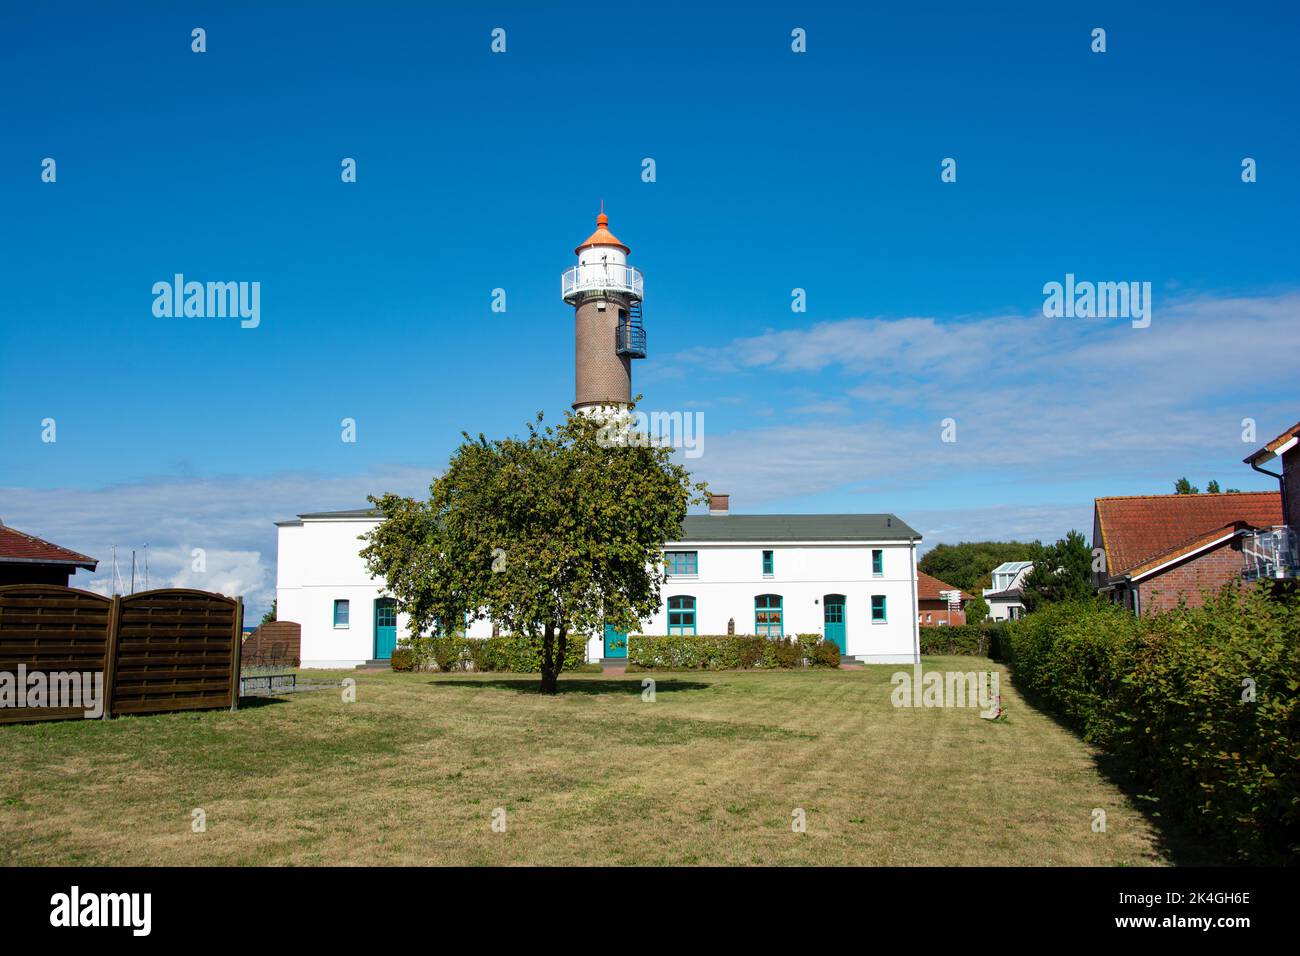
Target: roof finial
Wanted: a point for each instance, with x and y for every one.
(602, 219)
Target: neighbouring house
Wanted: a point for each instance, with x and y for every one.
(27, 559)
(851, 578)
(1159, 549)
(938, 603)
(1006, 596)
(1275, 552)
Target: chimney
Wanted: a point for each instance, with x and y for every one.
(719, 504)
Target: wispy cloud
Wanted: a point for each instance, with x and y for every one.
(1033, 399)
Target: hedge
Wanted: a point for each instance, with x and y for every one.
(514, 653)
(1168, 695)
(729, 651)
(981, 640)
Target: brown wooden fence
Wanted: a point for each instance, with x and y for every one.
(276, 643)
(172, 649)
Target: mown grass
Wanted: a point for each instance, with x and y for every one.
(708, 773)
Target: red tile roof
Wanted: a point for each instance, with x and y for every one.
(17, 547)
(1139, 528)
(928, 588)
(1268, 450)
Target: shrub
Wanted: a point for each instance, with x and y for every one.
(785, 652)
(752, 651)
(1169, 696)
(808, 646)
(826, 654)
(723, 651)
(403, 659)
(448, 652)
(514, 653)
(979, 640)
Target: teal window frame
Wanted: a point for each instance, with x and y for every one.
(769, 564)
(682, 564)
(764, 610)
(879, 609)
(877, 562)
(681, 619)
(344, 619)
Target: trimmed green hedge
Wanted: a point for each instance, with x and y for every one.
(517, 654)
(981, 640)
(1167, 696)
(729, 651)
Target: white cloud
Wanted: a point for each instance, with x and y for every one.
(231, 519)
(1036, 401)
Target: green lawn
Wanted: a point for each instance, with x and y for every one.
(708, 773)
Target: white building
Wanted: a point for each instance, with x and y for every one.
(851, 578)
(1006, 597)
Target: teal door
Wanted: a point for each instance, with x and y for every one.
(833, 618)
(615, 642)
(385, 628)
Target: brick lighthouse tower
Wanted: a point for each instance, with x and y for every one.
(605, 293)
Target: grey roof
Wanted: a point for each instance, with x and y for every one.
(758, 528)
(354, 513)
(755, 528)
(351, 513)
(1011, 593)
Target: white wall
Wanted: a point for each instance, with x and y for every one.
(1000, 609)
(319, 562)
(730, 577)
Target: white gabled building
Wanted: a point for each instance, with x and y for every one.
(851, 578)
(1006, 598)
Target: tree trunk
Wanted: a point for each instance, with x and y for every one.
(550, 673)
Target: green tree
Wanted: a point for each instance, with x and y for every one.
(269, 616)
(977, 609)
(552, 535)
(1184, 487)
(1061, 572)
(1212, 488)
(969, 565)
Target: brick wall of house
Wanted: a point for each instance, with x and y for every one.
(1210, 569)
(938, 611)
(1291, 477)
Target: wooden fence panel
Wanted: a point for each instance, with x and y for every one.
(177, 650)
(277, 643)
(50, 628)
(161, 650)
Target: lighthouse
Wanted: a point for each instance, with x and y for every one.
(606, 294)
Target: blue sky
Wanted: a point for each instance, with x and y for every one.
(775, 171)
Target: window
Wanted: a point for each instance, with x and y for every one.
(682, 563)
(767, 615)
(877, 609)
(341, 613)
(681, 615)
(877, 563)
(768, 564)
(929, 618)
